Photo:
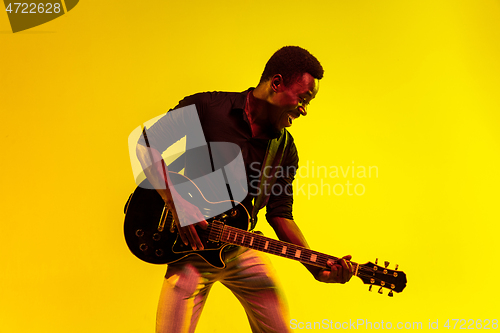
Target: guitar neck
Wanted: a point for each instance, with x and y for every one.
(261, 243)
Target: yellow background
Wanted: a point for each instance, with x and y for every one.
(410, 87)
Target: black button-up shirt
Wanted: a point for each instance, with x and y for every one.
(223, 119)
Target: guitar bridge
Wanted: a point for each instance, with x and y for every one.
(216, 228)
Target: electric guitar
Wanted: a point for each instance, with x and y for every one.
(149, 224)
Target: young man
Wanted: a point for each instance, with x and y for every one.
(249, 119)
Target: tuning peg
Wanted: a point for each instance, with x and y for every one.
(390, 294)
(376, 261)
(396, 267)
(380, 290)
(386, 263)
(370, 288)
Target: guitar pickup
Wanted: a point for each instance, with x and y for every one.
(216, 228)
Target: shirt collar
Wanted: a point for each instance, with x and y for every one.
(240, 103)
(241, 99)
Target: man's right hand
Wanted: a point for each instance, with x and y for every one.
(191, 215)
(157, 173)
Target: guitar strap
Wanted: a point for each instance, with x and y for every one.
(272, 159)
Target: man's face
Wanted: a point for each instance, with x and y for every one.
(291, 101)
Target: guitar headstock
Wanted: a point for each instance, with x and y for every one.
(373, 274)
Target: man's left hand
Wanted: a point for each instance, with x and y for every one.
(339, 271)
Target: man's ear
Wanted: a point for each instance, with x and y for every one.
(277, 83)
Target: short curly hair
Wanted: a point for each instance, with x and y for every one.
(292, 62)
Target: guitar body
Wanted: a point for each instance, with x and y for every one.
(147, 226)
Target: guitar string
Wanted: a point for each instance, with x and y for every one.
(275, 248)
(363, 271)
(259, 241)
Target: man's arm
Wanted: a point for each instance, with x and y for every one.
(156, 171)
(288, 231)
